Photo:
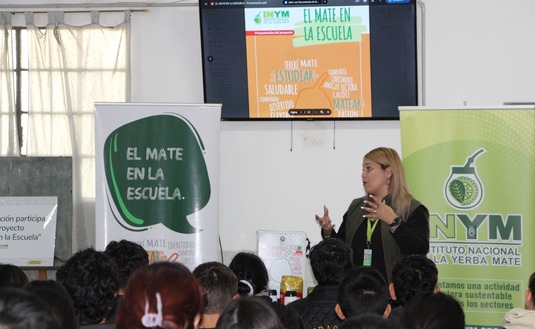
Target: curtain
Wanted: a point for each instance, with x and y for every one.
(71, 68)
(9, 145)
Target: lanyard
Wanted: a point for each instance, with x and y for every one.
(369, 231)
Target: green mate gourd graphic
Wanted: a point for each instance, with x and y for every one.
(463, 189)
(156, 173)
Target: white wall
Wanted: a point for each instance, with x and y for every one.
(476, 53)
(273, 177)
(480, 52)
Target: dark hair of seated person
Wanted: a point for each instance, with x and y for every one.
(251, 268)
(413, 275)
(531, 287)
(56, 299)
(90, 278)
(129, 256)
(20, 309)
(12, 276)
(219, 283)
(330, 259)
(363, 290)
(433, 311)
(253, 281)
(248, 313)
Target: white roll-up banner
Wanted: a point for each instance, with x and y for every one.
(157, 179)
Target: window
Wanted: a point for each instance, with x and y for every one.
(53, 67)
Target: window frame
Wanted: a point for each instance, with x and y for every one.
(21, 111)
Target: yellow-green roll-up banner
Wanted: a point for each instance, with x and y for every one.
(474, 168)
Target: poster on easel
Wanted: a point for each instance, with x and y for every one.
(157, 178)
(28, 230)
(284, 253)
(474, 169)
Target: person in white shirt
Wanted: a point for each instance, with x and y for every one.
(523, 318)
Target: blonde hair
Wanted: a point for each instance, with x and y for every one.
(398, 188)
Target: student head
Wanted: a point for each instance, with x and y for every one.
(251, 272)
(20, 309)
(370, 321)
(433, 311)
(220, 287)
(530, 293)
(90, 278)
(165, 295)
(246, 313)
(12, 276)
(330, 259)
(56, 299)
(128, 256)
(363, 290)
(219, 283)
(413, 275)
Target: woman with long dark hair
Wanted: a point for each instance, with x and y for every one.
(248, 313)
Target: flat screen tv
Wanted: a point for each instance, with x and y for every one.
(309, 59)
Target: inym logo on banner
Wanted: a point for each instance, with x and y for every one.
(463, 189)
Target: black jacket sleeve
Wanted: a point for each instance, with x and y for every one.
(412, 236)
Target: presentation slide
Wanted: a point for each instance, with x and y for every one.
(290, 64)
(309, 59)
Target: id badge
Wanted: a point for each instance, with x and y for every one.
(367, 257)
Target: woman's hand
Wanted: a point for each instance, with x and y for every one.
(325, 222)
(379, 209)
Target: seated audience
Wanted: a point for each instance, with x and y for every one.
(248, 313)
(330, 260)
(523, 318)
(412, 275)
(20, 309)
(370, 321)
(128, 256)
(253, 281)
(57, 301)
(90, 278)
(220, 287)
(161, 295)
(12, 276)
(363, 290)
(433, 311)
